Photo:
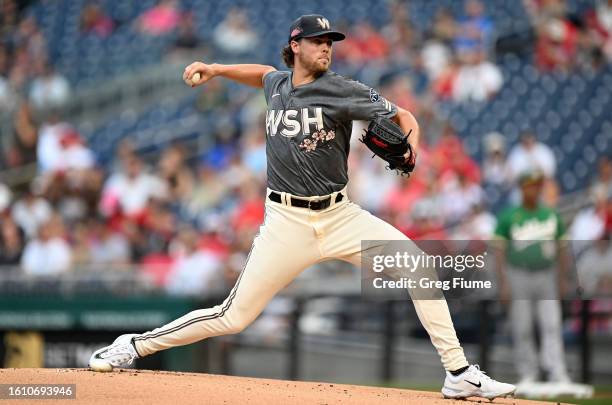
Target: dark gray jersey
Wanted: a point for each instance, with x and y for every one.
(308, 130)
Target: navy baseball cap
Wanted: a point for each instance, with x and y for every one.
(313, 25)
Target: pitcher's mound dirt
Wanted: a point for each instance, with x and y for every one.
(158, 387)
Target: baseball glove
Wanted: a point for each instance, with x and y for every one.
(387, 140)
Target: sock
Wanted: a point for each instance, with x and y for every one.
(459, 371)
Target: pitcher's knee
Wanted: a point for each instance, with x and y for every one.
(237, 324)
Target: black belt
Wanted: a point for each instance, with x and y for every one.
(315, 205)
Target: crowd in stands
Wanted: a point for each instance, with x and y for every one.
(188, 220)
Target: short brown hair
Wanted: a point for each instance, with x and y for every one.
(288, 55)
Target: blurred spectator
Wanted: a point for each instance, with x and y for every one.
(400, 92)
(478, 224)
(61, 149)
(22, 144)
(187, 38)
(362, 46)
(477, 78)
(474, 30)
(444, 84)
(530, 154)
(403, 195)
(599, 26)
(400, 35)
(12, 241)
(48, 254)
(213, 98)
(432, 125)
(253, 151)
(425, 224)
(128, 192)
(8, 18)
(249, 213)
(603, 182)
(595, 269)
(444, 26)
(367, 174)
(49, 149)
(95, 21)
(50, 89)
(160, 19)
(74, 154)
(460, 197)
(7, 97)
(29, 39)
(157, 229)
(556, 44)
(234, 35)
(222, 152)
(173, 169)
(436, 57)
(236, 174)
(79, 242)
(450, 159)
(590, 222)
(5, 198)
(494, 167)
(195, 271)
(107, 246)
(30, 212)
(543, 9)
(207, 193)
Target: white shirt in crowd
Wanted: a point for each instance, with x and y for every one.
(52, 156)
(77, 157)
(29, 214)
(49, 91)
(436, 57)
(459, 201)
(46, 258)
(593, 266)
(539, 157)
(477, 82)
(234, 38)
(194, 273)
(113, 249)
(132, 194)
(5, 197)
(49, 149)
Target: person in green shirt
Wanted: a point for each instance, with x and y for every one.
(531, 267)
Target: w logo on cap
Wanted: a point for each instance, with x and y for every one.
(324, 23)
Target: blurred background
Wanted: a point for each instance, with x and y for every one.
(127, 198)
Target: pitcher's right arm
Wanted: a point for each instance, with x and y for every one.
(249, 74)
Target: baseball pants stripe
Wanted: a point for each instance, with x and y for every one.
(291, 240)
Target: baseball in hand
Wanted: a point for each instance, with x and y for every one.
(195, 78)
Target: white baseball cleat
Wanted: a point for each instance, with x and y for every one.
(475, 383)
(120, 353)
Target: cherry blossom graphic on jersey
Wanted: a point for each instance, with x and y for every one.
(316, 139)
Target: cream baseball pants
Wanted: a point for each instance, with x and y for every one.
(290, 240)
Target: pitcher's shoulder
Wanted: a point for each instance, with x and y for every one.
(343, 83)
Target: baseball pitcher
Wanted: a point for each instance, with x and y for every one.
(309, 217)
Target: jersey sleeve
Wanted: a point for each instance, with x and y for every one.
(363, 103)
(502, 229)
(561, 230)
(270, 82)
